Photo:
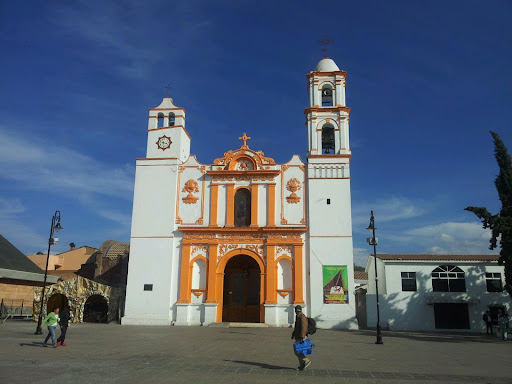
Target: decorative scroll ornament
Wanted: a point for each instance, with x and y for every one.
(190, 186)
(293, 185)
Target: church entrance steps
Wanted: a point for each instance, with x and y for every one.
(238, 325)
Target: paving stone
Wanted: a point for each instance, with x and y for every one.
(105, 354)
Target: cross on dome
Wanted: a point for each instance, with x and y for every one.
(244, 138)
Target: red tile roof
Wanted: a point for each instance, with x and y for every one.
(360, 275)
(392, 256)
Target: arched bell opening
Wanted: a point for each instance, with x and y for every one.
(328, 139)
(327, 96)
(160, 121)
(96, 309)
(242, 290)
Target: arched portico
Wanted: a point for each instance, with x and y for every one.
(232, 276)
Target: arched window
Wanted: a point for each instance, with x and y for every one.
(242, 208)
(327, 96)
(172, 119)
(327, 138)
(448, 278)
(160, 120)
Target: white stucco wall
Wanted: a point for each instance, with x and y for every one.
(414, 310)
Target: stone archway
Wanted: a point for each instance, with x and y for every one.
(241, 284)
(57, 300)
(95, 310)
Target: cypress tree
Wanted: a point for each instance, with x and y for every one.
(501, 223)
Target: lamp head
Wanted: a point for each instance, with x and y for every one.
(57, 227)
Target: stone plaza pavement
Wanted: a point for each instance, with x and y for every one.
(111, 353)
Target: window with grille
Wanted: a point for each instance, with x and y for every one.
(493, 281)
(409, 281)
(448, 278)
(242, 208)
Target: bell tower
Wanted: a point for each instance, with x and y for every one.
(327, 116)
(329, 203)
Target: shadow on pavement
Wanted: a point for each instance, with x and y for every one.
(32, 344)
(261, 365)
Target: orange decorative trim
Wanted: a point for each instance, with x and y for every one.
(293, 185)
(285, 167)
(190, 198)
(254, 205)
(325, 74)
(326, 109)
(230, 205)
(328, 156)
(167, 109)
(298, 276)
(284, 292)
(271, 297)
(185, 274)
(231, 158)
(211, 281)
(271, 220)
(190, 186)
(198, 292)
(160, 128)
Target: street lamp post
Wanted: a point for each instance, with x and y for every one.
(373, 241)
(52, 240)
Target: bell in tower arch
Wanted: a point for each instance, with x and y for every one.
(327, 139)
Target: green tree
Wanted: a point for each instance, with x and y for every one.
(501, 223)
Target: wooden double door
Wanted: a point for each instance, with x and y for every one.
(241, 298)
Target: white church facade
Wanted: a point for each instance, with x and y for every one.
(245, 239)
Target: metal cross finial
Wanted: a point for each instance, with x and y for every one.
(244, 138)
(325, 42)
(168, 89)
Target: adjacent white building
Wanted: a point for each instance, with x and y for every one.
(244, 239)
(435, 292)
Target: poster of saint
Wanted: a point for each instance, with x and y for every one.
(335, 284)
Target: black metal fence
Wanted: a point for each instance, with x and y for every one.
(15, 308)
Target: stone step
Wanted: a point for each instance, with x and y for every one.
(238, 325)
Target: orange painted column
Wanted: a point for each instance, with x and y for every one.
(230, 205)
(271, 294)
(271, 220)
(214, 203)
(184, 274)
(212, 266)
(298, 296)
(220, 298)
(254, 205)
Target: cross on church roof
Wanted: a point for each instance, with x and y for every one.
(168, 87)
(244, 138)
(325, 42)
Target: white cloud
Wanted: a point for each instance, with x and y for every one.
(361, 256)
(391, 209)
(54, 168)
(449, 238)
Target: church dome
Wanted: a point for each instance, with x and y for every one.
(326, 65)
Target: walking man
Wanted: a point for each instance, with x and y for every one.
(64, 323)
(300, 334)
(503, 324)
(488, 322)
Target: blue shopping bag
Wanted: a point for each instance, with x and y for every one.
(303, 347)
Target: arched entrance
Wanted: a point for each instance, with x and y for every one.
(242, 290)
(95, 309)
(57, 300)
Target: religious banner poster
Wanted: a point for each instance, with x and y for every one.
(335, 284)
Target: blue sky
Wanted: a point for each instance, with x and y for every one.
(426, 82)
